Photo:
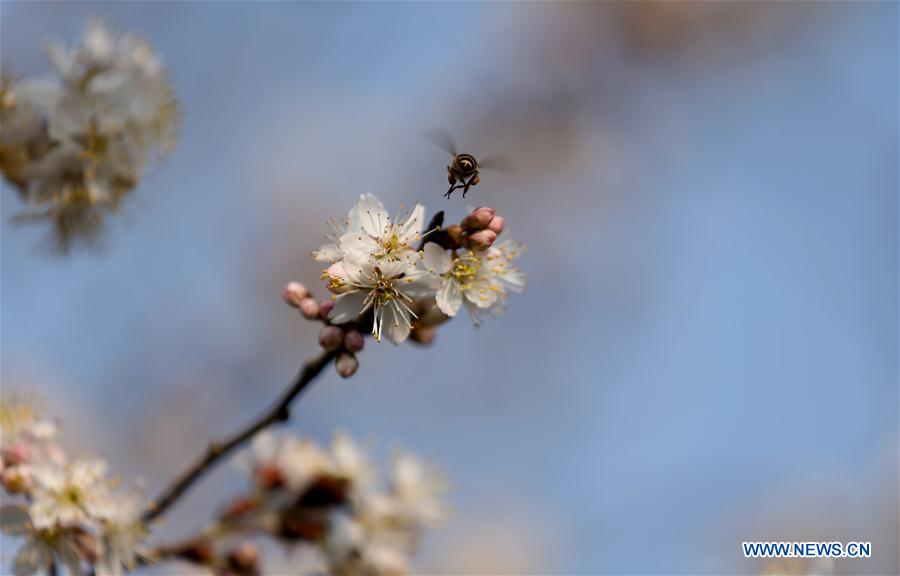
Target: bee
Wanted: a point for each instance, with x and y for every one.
(463, 171)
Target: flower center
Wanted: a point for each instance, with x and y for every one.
(72, 496)
(464, 270)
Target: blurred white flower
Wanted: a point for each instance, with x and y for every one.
(287, 462)
(416, 492)
(122, 538)
(42, 548)
(76, 149)
(73, 495)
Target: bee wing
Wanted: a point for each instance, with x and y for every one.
(498, 162)
(441, 138)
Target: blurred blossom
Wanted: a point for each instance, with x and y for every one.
(362, 522)
(70, 512)
(76, 147)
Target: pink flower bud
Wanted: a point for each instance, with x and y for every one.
(269, 476)
(16, 479)
(331, 338)
(325, 307)
(354, 341)
(496, 225)
(309, 308)
(346, 364)
(481, 240)
(423, 334)
(243, 560)
(478, 219)
(16, 453)
(293, 293)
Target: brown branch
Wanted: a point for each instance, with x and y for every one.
(280, 411)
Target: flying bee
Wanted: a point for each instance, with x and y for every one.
(463, 171)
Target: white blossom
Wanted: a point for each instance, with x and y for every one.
(76, 148)
(480, 279)
(388, 287)
(122, 538)
(43, 547)
(73, 495)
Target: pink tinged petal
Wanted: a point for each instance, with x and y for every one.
(436, 260)
(449, 297)
(348, 307)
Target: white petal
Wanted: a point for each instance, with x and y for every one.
(347, 307)
(481, 295)
(398, 331)
(372, 217)
(412, 226)
(60, 57)
(436, 259)
(359, 242)
(31, 558)
(394, 268)
(70, 118)
(328, 253)
(449, 297)
(14, 518)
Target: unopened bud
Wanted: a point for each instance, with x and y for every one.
(309, 308)
(244, 560)
(325, 307)
(481, 240)
(478, 219)
(240, 507)
(16, 453)
(331, 338)
(423, 334)
(293, 293)
(16, 479)
(496, 225)
(269, 476)
(346, 364)
(354, 341)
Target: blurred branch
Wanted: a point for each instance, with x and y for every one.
(280, 411)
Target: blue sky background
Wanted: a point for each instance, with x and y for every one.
(708, 348)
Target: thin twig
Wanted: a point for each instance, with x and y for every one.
(280, 411)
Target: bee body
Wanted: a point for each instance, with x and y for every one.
(463, 171)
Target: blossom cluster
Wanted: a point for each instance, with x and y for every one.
(70, 513)
(72, 516)
(335, 500)
(396, 278)
(75, 147)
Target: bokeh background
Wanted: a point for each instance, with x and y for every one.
(707, 352)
